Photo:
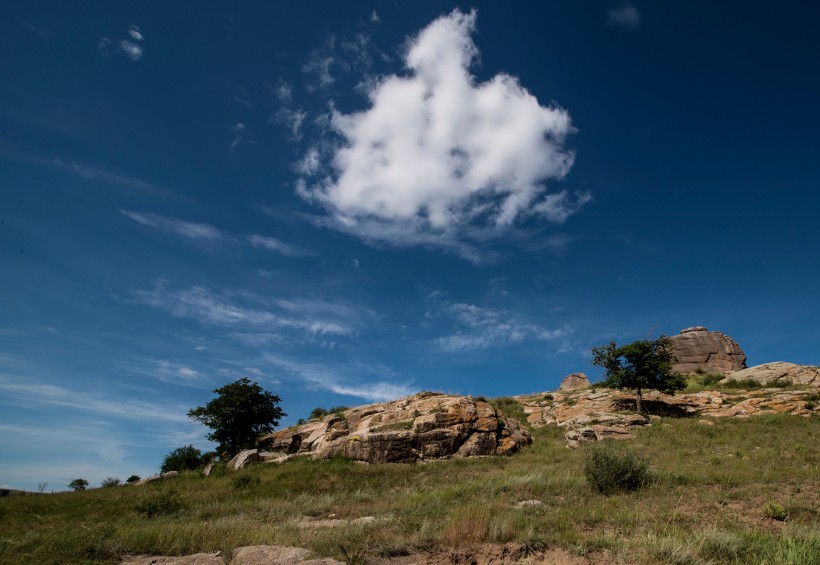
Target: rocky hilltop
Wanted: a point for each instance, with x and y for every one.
(698, 349)
(421, 427)
(774, 374)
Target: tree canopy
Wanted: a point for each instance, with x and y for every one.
(182, 459)
(78, 484)
(239, 414)
(642, 364)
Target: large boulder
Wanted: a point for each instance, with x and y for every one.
(697, 348)
(574, 381)
(421, 427)
(770, 374)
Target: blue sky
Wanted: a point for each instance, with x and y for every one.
(350, 202)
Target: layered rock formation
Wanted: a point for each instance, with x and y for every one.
(425, 426)
(574, 381)
(697, 348)
(592, 415)
(770, 374)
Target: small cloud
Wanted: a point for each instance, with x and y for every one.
(283, 92)
(292, 120)
(104, 44)
(355, 263)
(190, 230)
(133, 50)
(626, 16)
(134, 32)
(273, 244)
(320, 66)
(374, 17)
(167, 368)
(240, 136)
(309, 164)
(41, 32)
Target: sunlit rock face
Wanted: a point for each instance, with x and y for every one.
(420, 427)
(697, 348)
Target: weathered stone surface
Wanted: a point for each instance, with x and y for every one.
(586, 413)
(597, 426)
(160, 477)
(778, 372)
(251, 555)
(195, 559)
(697, 348)
(574, 381)
(244, 458)
(276, 555)
(420, 427)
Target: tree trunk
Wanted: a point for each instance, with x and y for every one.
(638, 400)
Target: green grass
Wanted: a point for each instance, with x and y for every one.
(692, 511)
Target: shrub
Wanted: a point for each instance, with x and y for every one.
(133, 479)
(162, 503)
(610, 467)
(244, 481)
(710, 379)
(745, 384)
(110, 482)
(320, 412)
(775, 511)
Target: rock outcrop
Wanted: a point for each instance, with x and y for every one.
(155, 478)
(251, 555)
(421, 427)
(244, 458)
(772, 374)
(591, 415)
(697, 348)
(574, 381)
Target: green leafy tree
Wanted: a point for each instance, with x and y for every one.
(239, 414)
(78, 484)
(133, 479)
(182, 459)
(642, 364)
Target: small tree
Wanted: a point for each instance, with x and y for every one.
(239, 414)
(642, 364)
(78, 484)
(133, 479)
(110, 482)
(182, 459)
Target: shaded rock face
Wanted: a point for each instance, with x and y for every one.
(697, 348)
(421, 427)
(574, 381)
(771, 373)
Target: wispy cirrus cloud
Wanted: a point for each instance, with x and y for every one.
(437, 154)
(190, 230)
(325, 378)
(485, 328)
(248, 312)
(208, 233)
(23, 392)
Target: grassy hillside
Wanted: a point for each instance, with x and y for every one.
(715, 498)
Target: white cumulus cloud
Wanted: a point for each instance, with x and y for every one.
(438, 153)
